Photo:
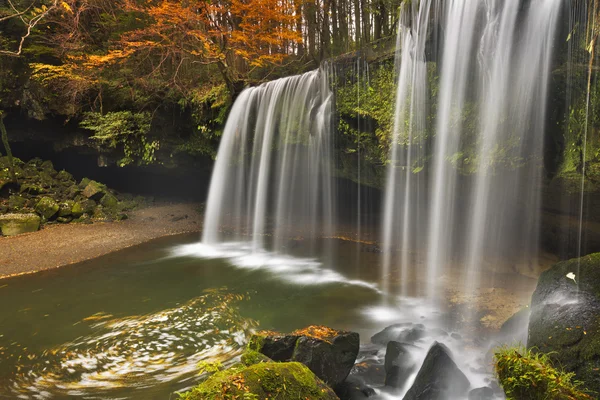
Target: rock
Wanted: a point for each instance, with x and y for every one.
(32, 189)
(16, 202)
(15, 224)
(64, 176)
(64, 220)
(404, 332)
(66, 208)
(72, 192)
(482, 393)
(354, 389)
(564, 319)
(399, 364)
(47, 208)
(251, 357)
(47, 166)
(328, 353)
(94, 190)
(84, 182)
(290, 380)
(276, 346)
(456, 336)
(439, 377)
(109, 201)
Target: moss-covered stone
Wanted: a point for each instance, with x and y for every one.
(15, 224)
(109, 201)
(66, 208)
(94, 190)
(47, 207)
(32, 189)
(565, 317)
(263, 381)
(251, 357)
(64, 176)
(16, 202)
(84, 182)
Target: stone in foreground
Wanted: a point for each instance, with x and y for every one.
(399, 364)
(15, 224)
(330, 354)
(439, 378)
(290, 380)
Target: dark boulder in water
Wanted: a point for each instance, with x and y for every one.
(439, 378)
(482, 393)
(399, 364)
(404, 332)
(564, 320)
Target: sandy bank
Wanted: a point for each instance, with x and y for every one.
(59, 245)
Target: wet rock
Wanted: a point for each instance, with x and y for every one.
(482, 393)
(354, 388)
(94, 190)
(404, 332)
(399, 364)
(276, 346)
(47, 208)
(330, 354)
(64, 220)
(251, 357)
(514, 330)
(438, 378)
(564, 319)
(455, 336)
(15, 224)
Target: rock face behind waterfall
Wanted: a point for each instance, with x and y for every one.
(565, 317)
(328, 353)
(439, 378)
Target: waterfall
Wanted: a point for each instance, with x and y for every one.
(272, 175)
(477, 197)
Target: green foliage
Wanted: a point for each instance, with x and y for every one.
(124, 128)
(209, 367)
(527, 374)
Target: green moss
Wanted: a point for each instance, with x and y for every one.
(251, 357)
(285, 381)
(47, 207)
(525, 374)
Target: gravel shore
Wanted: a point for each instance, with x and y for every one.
(59, 245)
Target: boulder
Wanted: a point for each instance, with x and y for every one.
(15, 224)
(16, 202)
(32, 189)
(565, 322)
(404, 332)
(439, 378)
(276, 346)
(514, 330)
(290, 380)
(330, 354)
(251, 357)
(109, 201)
(482, 393)
(94, 190)
(399, 364)
(66, 208)
(64, 176)
(47, 207)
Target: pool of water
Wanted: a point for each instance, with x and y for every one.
(134, 324)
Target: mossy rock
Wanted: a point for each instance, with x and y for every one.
(251, 357)
(15, 224)
(94, 190)
(64, 220)
(84, 182)
(565, 317)
(290, 380)
(66, 208)
(4, 163)
(47, 207)
(64, 176)
(32, 189)
(109, 201)
(16, 202)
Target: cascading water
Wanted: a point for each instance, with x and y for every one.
(273, 174)
(493, 62)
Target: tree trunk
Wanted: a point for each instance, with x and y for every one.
(298, 11)
(11, 163)
(325, 33)
(357, 22)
